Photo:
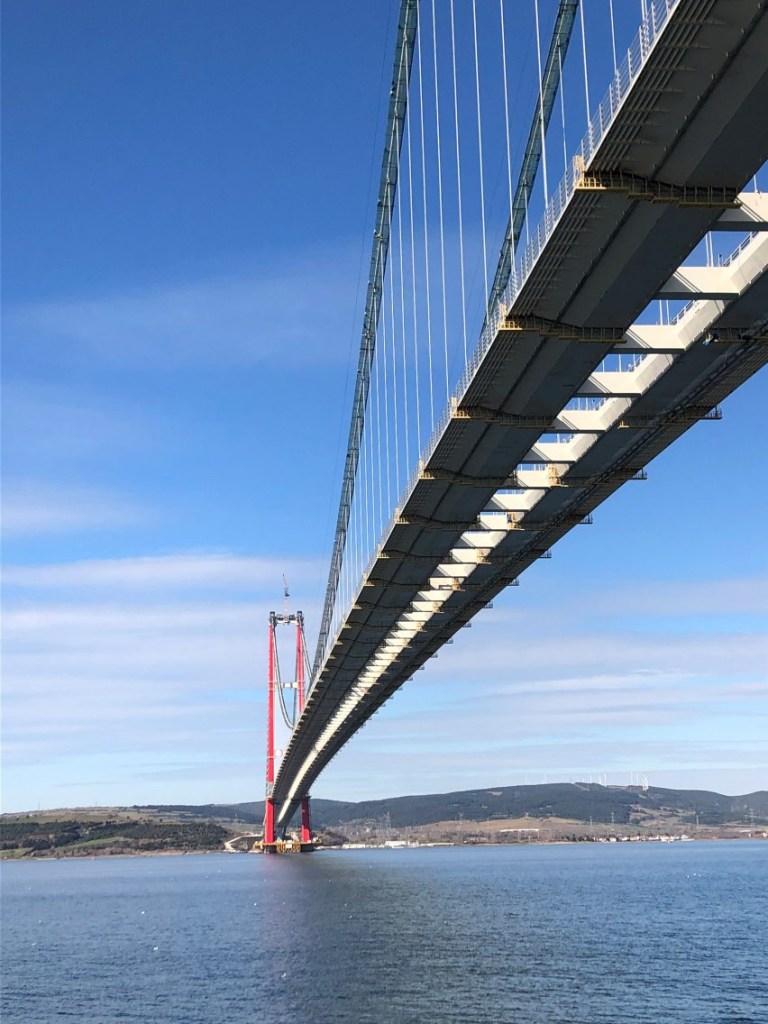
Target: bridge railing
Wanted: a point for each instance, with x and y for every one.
(634, 60)
(626, 73)
(746, 241)
(693, 303)
(657, 15)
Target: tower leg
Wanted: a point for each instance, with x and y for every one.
(306, 827)
(269, 825)
(269, 808)
(301, 683)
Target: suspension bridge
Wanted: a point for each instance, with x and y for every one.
(496, 409)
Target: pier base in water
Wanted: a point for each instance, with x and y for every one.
(284, 846)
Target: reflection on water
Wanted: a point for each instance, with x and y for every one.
(541, 934)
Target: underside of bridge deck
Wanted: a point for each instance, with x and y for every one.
(517, 462)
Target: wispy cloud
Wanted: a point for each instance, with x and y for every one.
(516, 656)
(188, 571)
(32, 508)
(58, 423)
(127, 658)
(671, 680)
(686, 597)
(637, 601)
(145, 654)
(221, 321)
(370, 769)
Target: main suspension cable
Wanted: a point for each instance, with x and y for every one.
(404, 48)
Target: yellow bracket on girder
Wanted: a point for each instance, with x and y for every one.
(650, 190)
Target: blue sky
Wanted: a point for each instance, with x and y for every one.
(188, 194)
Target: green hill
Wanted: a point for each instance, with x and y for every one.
(79, 835)
(192, 827)
(574, 801)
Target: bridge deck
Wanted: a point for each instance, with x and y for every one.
(494, 492)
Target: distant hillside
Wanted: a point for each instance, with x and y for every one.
(574, 801)
(80, 835)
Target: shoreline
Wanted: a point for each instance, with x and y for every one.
(367, 848)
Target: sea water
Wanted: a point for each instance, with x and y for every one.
(674, 932)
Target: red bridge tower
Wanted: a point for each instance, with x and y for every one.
(276, 695)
